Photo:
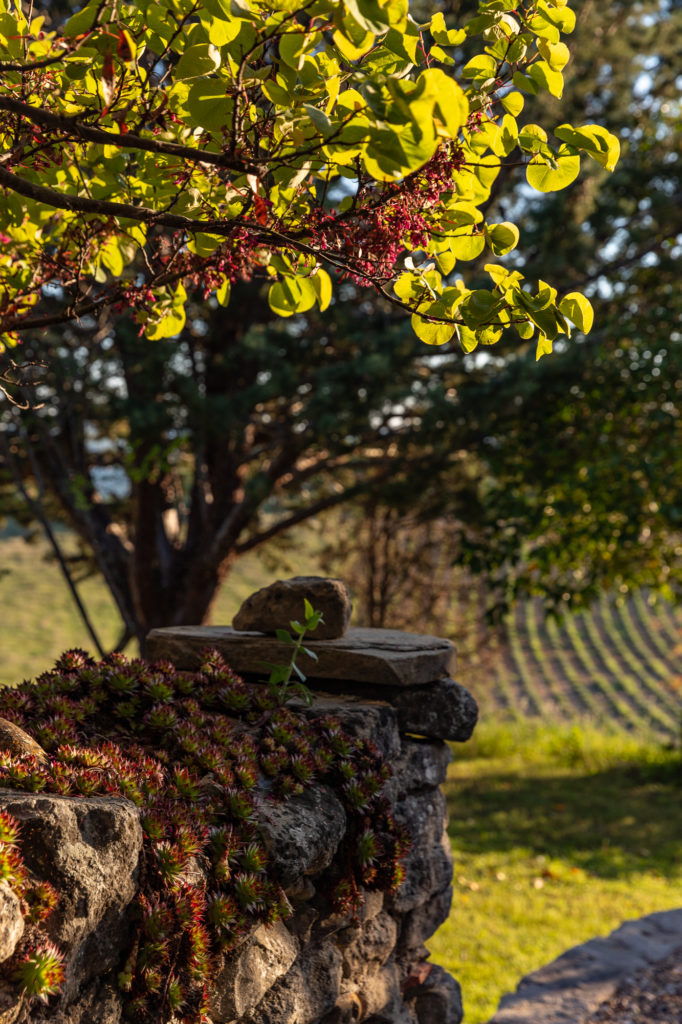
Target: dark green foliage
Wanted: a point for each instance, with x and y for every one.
(195, 774)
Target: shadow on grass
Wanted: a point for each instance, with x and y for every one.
(612, 823)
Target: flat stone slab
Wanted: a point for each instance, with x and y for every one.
(387, 657)
(574, 985)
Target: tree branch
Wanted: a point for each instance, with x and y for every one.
(72, 126)
(297, 517)
(38, 511)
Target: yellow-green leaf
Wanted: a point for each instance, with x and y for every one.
(446, 261)
(322, 283)
(466, 247)
(443, 35)
(506, 137)
(432, 334)
(196, 61)
(513, 103)
(544, 347)
(502, 238)
(544, 177)
(223, 293)
(600, 143)
(557, 55)
(547, 78)
(444, 97)
(467, 338)
(284, 296)
(578, 310)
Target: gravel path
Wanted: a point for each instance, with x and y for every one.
(650, 996)
(633, 976)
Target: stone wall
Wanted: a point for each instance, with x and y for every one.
(315, 967)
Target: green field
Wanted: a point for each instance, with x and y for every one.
(564, 808)
(558, 834)
(616, 667)
(40, 619)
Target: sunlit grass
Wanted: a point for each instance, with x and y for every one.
(558, 835)
(40, 618)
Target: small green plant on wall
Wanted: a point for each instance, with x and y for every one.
(281, 683)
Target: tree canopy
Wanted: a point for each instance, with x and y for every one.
(152, 150)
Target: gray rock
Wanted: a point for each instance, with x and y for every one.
(368, 947)
(302, 923)
(385, 1003)
(438, 1000)
(300, 891)
(365, 720)
(571, 987)
(428, 864)
(99, 1003)
(347, 1009)
(372, 904)
(421, 923)
(18, 742)
(245, 977)
(11, 922)
(420, 764)
(345, 925)
(664, 920)
(546, 1007)
(308, 991)
(444, 710)
(88, 848)
(273, 607)
(301, 835)
(379, 994)
(11, 1003)
(383, 657)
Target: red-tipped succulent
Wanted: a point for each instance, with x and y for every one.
(40, 971)
(196, 752)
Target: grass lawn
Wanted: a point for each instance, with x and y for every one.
(558, 835)
(40, 618)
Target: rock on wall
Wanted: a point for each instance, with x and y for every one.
(317, 966)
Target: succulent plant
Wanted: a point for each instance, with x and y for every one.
(223, 911)
(248, 890)
(191, 750)
(9, 829)
(41, 898)
(40, 971)
(12, 870)
(252, 858)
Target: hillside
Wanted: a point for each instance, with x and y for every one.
(617, 666)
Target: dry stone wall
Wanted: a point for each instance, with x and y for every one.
(317, 966)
